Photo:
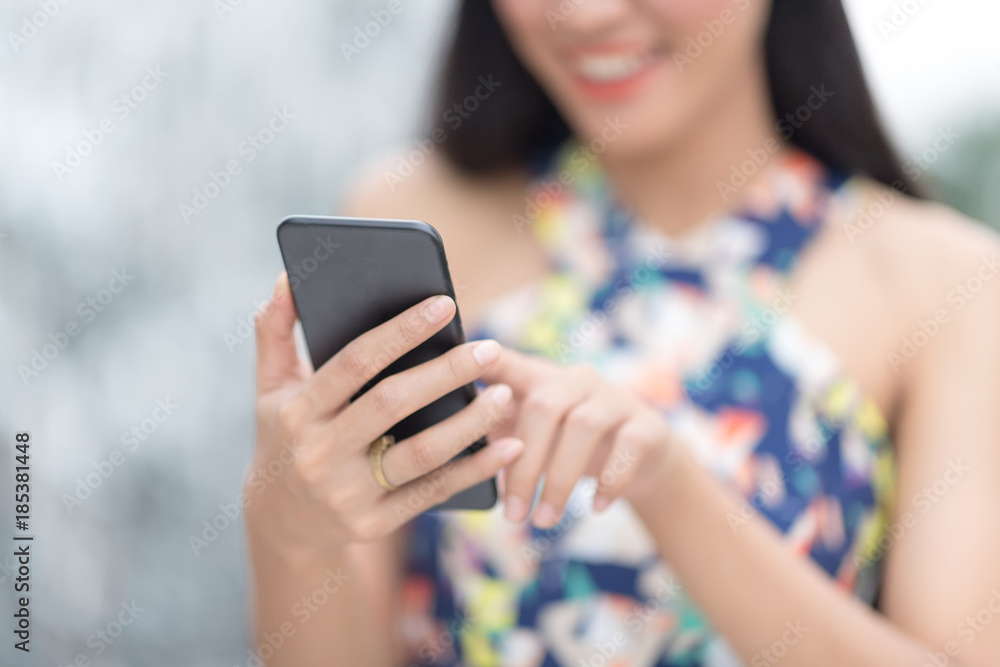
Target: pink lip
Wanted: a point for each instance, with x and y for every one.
(612, 91)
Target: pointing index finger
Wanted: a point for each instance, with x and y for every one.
(520, 371)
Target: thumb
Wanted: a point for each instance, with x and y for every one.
(277, 358)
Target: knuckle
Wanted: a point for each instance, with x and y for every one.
(409, 328)
(308, 471)
(355, 363)
(422, 454)
(444, 487)
(340, 499)
(365, 528)
(556, 492)
(485, 414)
(456, 367)
(521, 486)
(490, 417)
(293, 412)
(634, 435)
(386, 397)
(587, 418)
(542, 401)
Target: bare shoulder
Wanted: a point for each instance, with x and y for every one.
(885, 266)
(472, 215)
(926, 252)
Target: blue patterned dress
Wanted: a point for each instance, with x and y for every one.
(700, 328)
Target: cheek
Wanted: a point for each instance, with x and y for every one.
(717, 34)
(521, 17)
(688, 18)
(689, 12)
(527, 27)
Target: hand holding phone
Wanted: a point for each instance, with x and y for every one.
(330, 417)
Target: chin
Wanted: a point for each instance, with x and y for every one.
(633, 131)
(627, 105)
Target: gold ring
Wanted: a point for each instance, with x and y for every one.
(375, 452)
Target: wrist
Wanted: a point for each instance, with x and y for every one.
(272, 541)
(665, 486)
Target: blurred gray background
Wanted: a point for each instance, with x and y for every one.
(177, 333)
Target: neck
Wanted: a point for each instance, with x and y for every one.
(677, 186)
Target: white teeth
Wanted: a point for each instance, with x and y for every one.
(609, 68)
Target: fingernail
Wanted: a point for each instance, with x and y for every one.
(486, 352)
(500, 393)
(600, 503)
(545, 515)
(514, 508)
(512, 448)
(436, 309)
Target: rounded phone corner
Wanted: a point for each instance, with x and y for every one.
(428, 228)
(288, 221)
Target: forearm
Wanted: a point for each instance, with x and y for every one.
(312, 609)
(751, 586)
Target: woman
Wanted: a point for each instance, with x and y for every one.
(757, 373)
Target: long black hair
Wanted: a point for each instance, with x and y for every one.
(808, 43)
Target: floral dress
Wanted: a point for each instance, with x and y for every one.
(699, 327)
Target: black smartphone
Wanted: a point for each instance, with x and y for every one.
(349, 275)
